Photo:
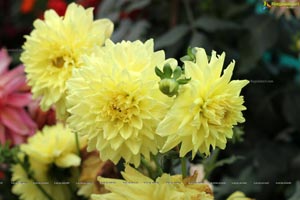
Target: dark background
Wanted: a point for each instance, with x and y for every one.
(266, 46)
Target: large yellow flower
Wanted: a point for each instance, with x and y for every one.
(206, 109)
(136, 186)
(54, 48)
(115, 100)
(52, 157)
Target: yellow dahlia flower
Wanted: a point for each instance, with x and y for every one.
(206, 109)
(238, 196)
(54, 48)
(136, 186)
(52, 157)
(115, 100)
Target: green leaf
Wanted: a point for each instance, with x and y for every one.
(159, 73)
(177, 73)
(171, 154)
(26, 162)
(246, 175)
(183, 81)
(186, 58)
(167, 71)
(136, 30)
(191, 53)
(228, 161)
(211, 24)
(110, 9)
(128, 30)
(8, 154)
(238, 133)
(256, 41)
(200, 40)
(172, 36)
(233, 9)
(134, 5)
(121, 31)
(291, 107)
(296, 195)
(194, 50)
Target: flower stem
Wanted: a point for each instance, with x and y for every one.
(73, 193)
(147, 166)
(42, 190)
(34, 180)
(159, 169)
(183, 167)
(77, 143)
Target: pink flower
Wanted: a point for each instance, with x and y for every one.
(15, 123)
(40, 117)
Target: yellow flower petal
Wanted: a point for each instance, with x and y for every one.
(68, 160)
(166, 187)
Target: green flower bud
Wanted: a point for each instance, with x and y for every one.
(169, 87)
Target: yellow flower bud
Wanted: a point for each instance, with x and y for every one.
(169, 86)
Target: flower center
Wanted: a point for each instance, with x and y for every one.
(217, 112)
(121, 107)
(58, 62)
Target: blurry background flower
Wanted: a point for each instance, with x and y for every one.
(15, 123)
(91, 168)
(2, 175)
(50, 156)
(37, 8)
(199, 170)
(90, 3)
(41, 118)
(60, 6)
(27, 6)
(238, 196)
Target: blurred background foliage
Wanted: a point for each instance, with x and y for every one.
(266, 46)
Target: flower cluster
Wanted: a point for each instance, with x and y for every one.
(124, 103)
